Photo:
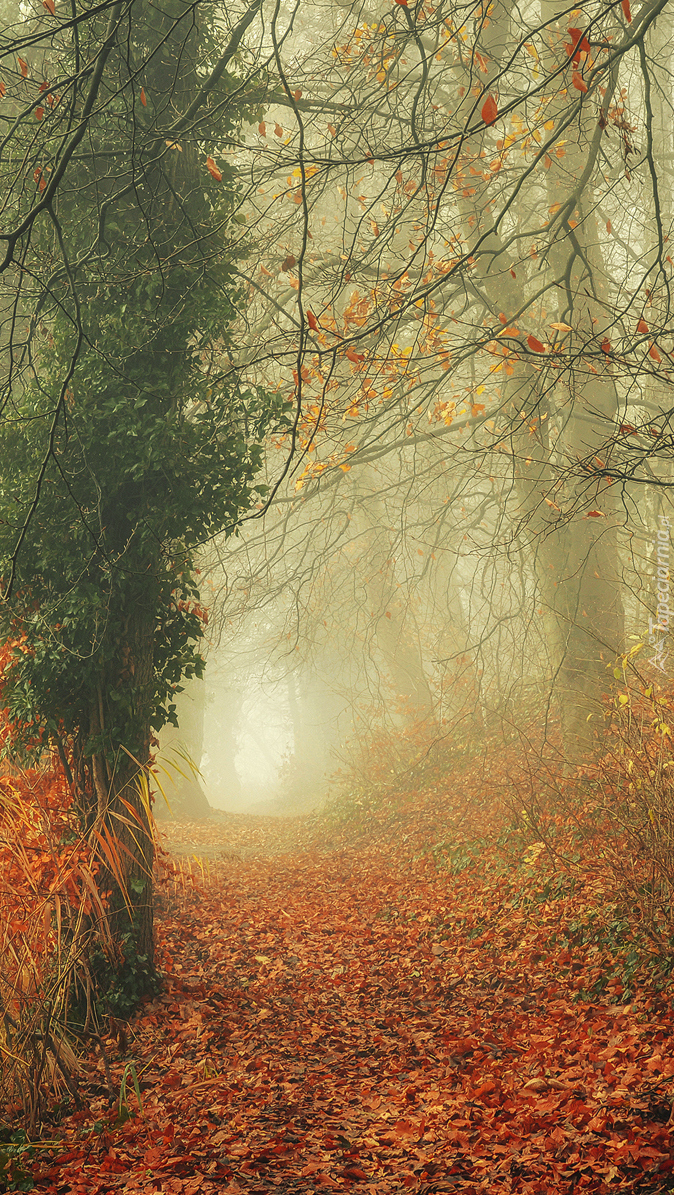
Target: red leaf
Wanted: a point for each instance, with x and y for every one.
(595, 514)
(605, 345)
(213, 170)
(39, 112)
(288, 263)
(2, 90)
(642, 326)
(312, 321)
(579, 45)
(627, 11)
(23, 67)
(535, 344)
(609, 227)
(489, 111)
(653, 352)
(626, 429)
(142, 97)
(354, 1172)
(578, 82)
(402, 2)
(50, 6)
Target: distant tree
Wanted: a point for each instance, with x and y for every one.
(468, 219)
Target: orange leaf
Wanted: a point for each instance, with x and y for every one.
(278, 130)
(605, 345)
(609, 227)
(142, 97)
(653, 352)
(402, 2)
(578, 81)
(332, 130)
(23, 67)
(297, 95)
(595, 514)
(50, 6)
(626, 429)
(579, 44)
(262, 129)
(535, 344)
(489, 111)
(2, 90)
(627, 12)
(642, 326)
(39, 112)
(312, 321)
(354, 356)
(288, 263)
(213, 170)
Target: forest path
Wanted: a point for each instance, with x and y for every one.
(234, 835)
(356, 1019)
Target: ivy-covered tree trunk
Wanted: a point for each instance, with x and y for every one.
(131, 438)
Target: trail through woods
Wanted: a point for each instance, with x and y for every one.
(356, 1017)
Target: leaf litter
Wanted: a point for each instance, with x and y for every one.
(389, 1014)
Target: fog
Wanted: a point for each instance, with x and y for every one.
(456, 541)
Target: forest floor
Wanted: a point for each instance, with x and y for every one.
(409, 1002)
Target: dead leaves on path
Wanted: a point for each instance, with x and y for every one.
(357, 1020)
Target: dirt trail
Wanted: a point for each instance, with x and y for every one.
(355, 1019)
(235, 835)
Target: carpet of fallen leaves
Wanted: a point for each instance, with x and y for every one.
(367, 1014)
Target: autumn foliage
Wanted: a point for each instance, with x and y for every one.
(49, 884)
(436, 988)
